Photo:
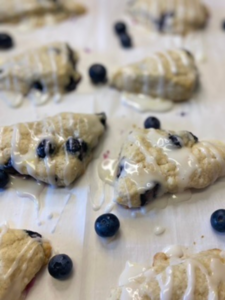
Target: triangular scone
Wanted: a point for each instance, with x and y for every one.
(153, 162)
(170, 75)
(55, 150)
(22, 255)
(196, 277)
(170, 16)
(38, 10)
(50, 69)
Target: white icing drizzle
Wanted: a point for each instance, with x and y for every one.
(144, 103)
(107, 170)
(159, 230)
(135, 279)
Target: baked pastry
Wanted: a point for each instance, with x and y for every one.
(170, 16)
(154, 162)
(38, 11)
(22, 254)
(50, 69)
(55, 150)
(170, 75)
(195, 277)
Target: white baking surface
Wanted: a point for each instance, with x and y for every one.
(97, 263)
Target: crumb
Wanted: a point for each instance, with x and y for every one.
(183, 114)
(106, 154)
(194, 243)
(202, 236)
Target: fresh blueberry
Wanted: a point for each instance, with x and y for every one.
(71, 86)
(76, 146)
(102, 118)
(4, 179)
(149, 194)
(152, 122)
(107, 225)
(37, 85)
(176, 140)
(218, 220)
(33, 234)
(161, 22)
(194, 137)
(6, 42)
(126, 41)
(60, 266)
(223, 25)
(120, 27)
(8, 167)
(98, 74)
(45, 148)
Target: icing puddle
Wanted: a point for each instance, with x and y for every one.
(43, 197)
(144, 103)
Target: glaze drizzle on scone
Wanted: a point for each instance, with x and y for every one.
(169, 75)
(190, 277)
(56, 150)
(22, 255)
(170, 16)
(153, 162)
(48, 71)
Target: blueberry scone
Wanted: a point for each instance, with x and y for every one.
(154, 162)
(50, 70)
(55, 150)
(194, 277)
(39, 11)
(169, 75)
(22, 255)
(170, 16)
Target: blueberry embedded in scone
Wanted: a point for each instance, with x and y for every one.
(191, 276)
(170, 75)
(55, 150)
(22, 255)
(37, 12)
(169, 16)
(49, 70)
(154, 162)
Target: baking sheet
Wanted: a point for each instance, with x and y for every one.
(98, 263)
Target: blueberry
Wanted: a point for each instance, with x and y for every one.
(8, 167)
(45, 148)
(102, 118)
(76, 146)
(126, 41)
(120, 27)
(223, 25)
(120, 170)
(37, 85)
(33, 234)
(4, 179)
(152, 122)
(149, 194)
(194, 137)
(60, 266)
(176, 140)
(161, 22)
(98, 74)
(218, 220)
(6, 42)
(107, 225)
(71, 86)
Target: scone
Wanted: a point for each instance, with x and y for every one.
(38, 10)
(169, 75)
(170, 16)
(22, 255)
(190, 277)
(154, 162)
(55, 150)
(50, 69)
